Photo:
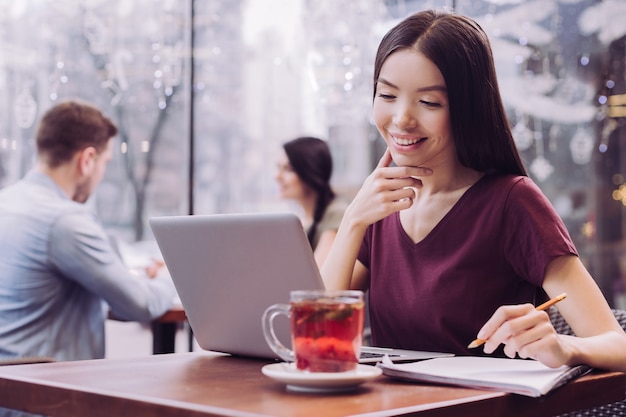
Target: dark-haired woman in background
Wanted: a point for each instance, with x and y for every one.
(304, 172)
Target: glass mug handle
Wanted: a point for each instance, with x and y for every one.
(269, 315)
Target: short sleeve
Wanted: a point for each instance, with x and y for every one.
(534, 231)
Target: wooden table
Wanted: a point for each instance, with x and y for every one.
(208, 384)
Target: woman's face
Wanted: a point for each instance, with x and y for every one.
(411, 110)
(289, 183)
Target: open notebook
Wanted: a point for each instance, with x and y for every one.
(228, 268)
(519, 376)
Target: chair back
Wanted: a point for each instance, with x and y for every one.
(613, 409)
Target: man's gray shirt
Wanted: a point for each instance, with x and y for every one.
(59, 274)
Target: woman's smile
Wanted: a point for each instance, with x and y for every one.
(403, 140)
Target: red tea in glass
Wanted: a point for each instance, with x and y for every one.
(326, 329)
(327, 333)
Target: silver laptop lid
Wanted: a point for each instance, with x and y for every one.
(228, 268)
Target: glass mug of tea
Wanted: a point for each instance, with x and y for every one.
(326, 329)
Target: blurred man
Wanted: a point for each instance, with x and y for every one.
(59, 274)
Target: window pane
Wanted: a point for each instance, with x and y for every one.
(128, 58)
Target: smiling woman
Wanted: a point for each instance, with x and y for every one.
(406, 237)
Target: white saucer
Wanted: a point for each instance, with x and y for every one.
(297, 380)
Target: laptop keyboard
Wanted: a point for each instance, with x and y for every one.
(376, 355)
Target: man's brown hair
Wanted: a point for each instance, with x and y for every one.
(69, 127)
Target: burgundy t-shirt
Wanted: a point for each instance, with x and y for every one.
(491, 249)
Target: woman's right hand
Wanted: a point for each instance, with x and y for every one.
(385, 191)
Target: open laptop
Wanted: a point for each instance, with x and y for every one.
(228, 268)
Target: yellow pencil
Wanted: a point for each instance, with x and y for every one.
(547, 304)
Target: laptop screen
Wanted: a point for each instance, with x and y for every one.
(228, 268)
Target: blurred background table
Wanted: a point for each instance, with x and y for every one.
(164, 330)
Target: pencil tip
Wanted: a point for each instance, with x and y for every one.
(475, 343)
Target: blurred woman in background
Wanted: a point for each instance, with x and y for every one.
(304, 172)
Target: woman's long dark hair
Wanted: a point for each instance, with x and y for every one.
(311, 159)
(459, 47)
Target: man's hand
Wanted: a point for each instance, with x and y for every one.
(152, 270)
